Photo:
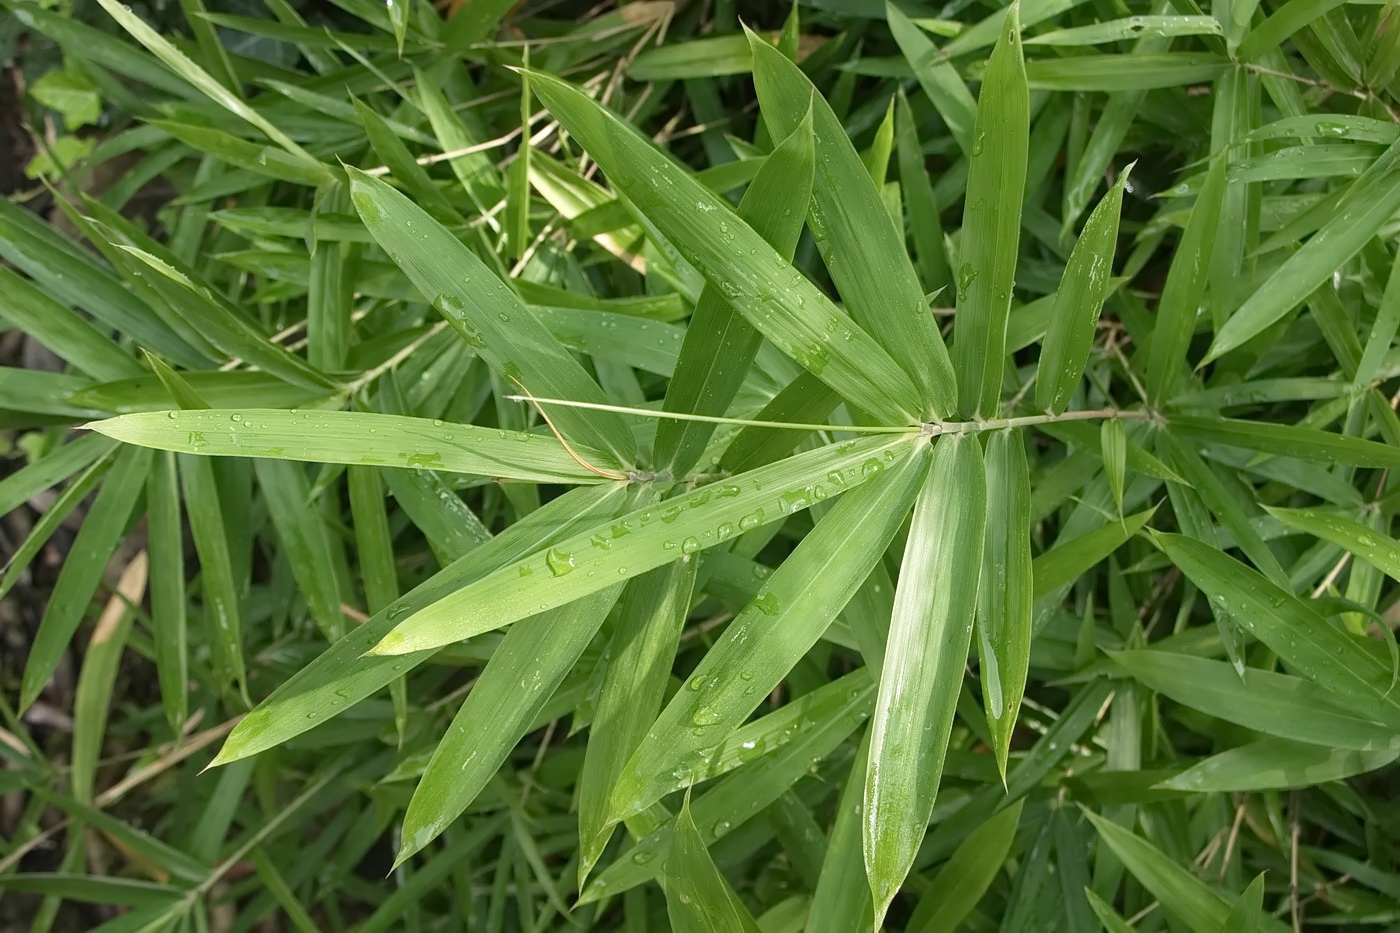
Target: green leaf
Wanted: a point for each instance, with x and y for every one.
(1266, 701)
(996, 182)
(223, 615)
(488, 315)
(930, 632)
(1277, 764)
(775, 298)
(1294, 440)
(522, 674)
(1005, 591)
(58, 511)
(71, 94)
(937, 76)
(841, 898)
(1130, 27)
(1184, 289)
(344, 675)
(315, 552)
(1068, 560)
(1248, 912)
(863, 249)
(1300, 637)
(1114, 444)
(1368, 203)
(1127, 72)
(969, 872)
(364, 438)
(1078, 302)
(719, 343)
(920, 204)
(62, 331)
(642, 540)
(639, 659)
(181, 64)
(51, 469)
(793, 608)
(1380, 551)
(102, 530)
(1181, 894)
(698, 899)
(169, 609)
(735, 799)
(128, 892)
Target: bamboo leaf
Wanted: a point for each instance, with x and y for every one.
(487, 313)
(930, 632)
(1266, 701)
(698, 898)
(363, 438)
(996, 182)
(775, 298)
(1078, 302)
(1005, 592)
(343, 674)
(1380, 551)
(642, 540)
(102, 531)
(719, 343)
(862, 248)
(1367, 204)
(778, 626)
(1306, 642)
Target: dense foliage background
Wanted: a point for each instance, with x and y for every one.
(1046, 350)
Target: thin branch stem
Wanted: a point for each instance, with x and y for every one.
(711, 419)
(931, 429)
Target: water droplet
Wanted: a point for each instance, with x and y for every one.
(560, 562)
(704, 716)
(690, 545)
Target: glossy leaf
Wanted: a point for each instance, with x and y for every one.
(935, 603)
(1078, 302)
(992, 224)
